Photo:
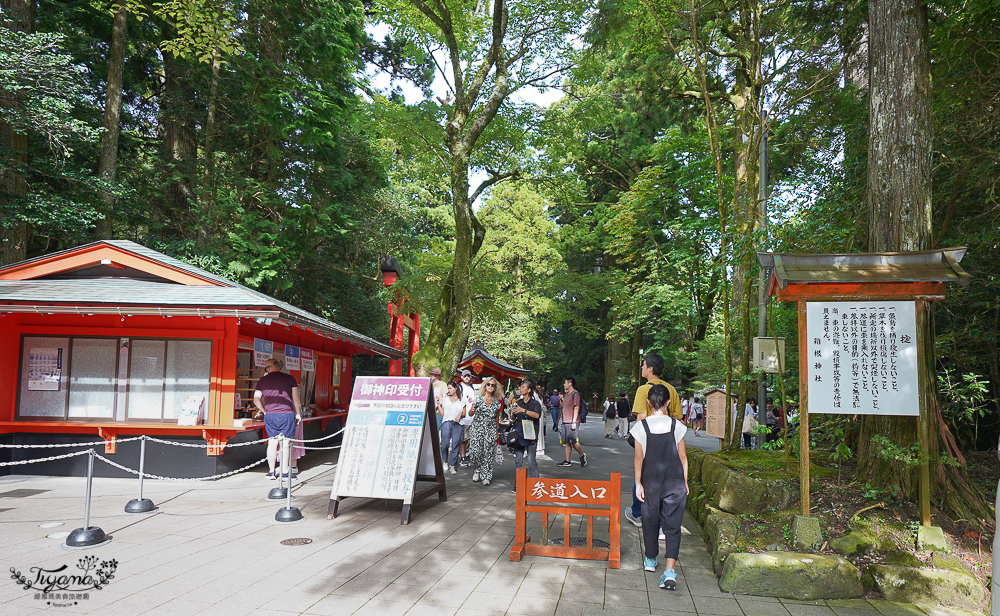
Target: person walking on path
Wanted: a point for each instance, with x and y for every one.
(661, 482)
(526, 410)
(483, 431)
(697, 413)
(623, 408)
(469, 395)
(451, 410)
(554, 404)
(277, 397)
(571, 423)
(610, 417)
(539, 395)
(440, 390)
(652, 366)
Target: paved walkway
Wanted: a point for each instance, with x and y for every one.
(213, 549)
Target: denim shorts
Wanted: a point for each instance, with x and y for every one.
(279, 423)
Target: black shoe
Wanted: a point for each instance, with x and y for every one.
(565, 463)
(583, 459)
(607, 436)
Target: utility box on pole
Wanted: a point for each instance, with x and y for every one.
(769, 354)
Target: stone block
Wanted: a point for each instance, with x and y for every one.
(806, 533)
(852, 544)
(927, 585)
(791, 575)
(721, 530)
(781, 494)
(943, 560)
(932, 538)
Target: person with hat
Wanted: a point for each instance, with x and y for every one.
(469, 395)
(277, 397)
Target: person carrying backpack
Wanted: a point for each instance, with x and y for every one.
(610, 417)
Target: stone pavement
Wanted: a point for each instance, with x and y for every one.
(212, 548)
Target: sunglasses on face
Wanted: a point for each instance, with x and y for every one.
(491, 385)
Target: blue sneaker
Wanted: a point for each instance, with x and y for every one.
(649, 564)
(668, 580)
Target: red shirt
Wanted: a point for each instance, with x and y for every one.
(569, 401)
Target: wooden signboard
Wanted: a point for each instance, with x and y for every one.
(862, 357)
(568, 497)
(715, 413)
(390, 443)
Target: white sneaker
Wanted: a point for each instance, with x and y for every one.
(475, 476)
(452, 471)
(486, 482)
(662, 537)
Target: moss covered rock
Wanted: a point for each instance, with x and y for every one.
(854, 543)
(781, 494)
(902, 558)
(721, 530)
(791, 575)
(943, 560)
(927, 585)
(932, 538)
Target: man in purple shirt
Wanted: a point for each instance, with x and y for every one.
(277, 397)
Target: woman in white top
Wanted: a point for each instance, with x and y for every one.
(452, 409)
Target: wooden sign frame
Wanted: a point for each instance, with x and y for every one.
(428, 433)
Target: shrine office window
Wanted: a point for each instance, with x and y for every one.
(111, 379)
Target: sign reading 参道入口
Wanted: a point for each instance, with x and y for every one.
(862, 357)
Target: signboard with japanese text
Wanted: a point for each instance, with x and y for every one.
(308, 360)
(715, 414)
(44, 369)
(263, 350)
(862, 357)
(386, 439)
(291, 357)
(571, 491)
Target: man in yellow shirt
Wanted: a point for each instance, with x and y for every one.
(652, 366)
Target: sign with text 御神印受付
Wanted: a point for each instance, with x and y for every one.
(384, 439)
(862, 358)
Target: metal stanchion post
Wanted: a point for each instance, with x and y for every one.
(88, 536)
(280, 493)
(141, 505)
(288, 513)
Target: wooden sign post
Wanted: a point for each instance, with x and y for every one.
(558, 497)
(390, 443)
(864, 347)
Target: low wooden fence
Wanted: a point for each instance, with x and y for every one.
(600, 499)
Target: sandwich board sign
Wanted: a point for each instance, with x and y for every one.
(390, 443)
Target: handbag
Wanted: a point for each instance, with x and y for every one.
(749, 424)
(510, 438)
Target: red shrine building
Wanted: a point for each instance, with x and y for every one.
(113, 339)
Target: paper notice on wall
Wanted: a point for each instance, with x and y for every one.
(308, 360)
(383, 438)
(336, 372)
(263, 350)
(291, 357)
(44, 369)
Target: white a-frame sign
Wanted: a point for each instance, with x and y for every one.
(390, 443)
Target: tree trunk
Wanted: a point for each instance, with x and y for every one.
(13, 186)
(615, 360)
(179, 144)
(108, 163)
(899, 219)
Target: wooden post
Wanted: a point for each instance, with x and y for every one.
(803, 411)
(925, 372)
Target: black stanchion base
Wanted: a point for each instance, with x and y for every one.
(277, 494)
(288, 514)
(140, 506)
(86, 537)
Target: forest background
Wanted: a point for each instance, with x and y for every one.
(571, 183)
